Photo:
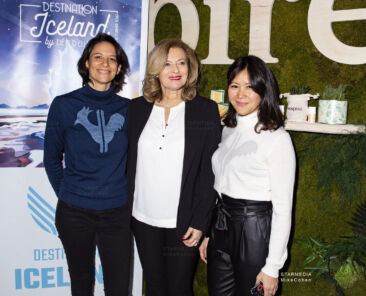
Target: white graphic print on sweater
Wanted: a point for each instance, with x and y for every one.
(101, 133)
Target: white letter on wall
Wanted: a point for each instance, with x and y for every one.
(219, 32)
(189, 17)
(260, 29)
(320, 18)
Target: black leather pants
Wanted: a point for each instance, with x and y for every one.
(238, 246)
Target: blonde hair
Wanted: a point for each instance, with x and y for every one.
(155, 63)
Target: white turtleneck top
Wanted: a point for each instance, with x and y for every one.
(259, 167)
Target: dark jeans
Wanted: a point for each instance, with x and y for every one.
(80, 231)
(167, 263)
(238, 246)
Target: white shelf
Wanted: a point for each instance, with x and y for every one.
(324, 128)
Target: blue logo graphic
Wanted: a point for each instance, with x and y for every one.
(41, 211)
(101, 133)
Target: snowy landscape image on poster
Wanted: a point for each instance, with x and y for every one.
(42, 42)
(22, 135)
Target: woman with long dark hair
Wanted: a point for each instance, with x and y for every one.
(254, 169)
(87, 127)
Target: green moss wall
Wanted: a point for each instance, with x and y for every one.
(325, 179)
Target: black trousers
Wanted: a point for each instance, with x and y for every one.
(238, 246)
(80, 231)
(168, 265)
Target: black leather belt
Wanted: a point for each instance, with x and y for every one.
(230, 208)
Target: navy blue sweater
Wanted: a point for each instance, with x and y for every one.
(90, 129)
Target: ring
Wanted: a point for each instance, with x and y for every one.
(196, 243)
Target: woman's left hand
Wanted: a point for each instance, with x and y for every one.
(270, 284)
(192, 237)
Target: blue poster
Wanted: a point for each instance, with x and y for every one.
(41, 42)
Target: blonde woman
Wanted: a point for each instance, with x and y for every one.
(173, 133)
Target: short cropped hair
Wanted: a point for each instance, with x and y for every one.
(264, 83)
(119, 79)
(156, 60)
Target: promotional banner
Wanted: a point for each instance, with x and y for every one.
(41, 42)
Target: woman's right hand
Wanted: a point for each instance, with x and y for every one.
(203, 249)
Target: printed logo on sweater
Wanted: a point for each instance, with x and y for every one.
(101, 133)
(41, 211)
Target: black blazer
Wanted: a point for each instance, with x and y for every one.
(202, 135)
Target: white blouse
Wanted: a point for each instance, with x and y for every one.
(259, 167)
(159, 168)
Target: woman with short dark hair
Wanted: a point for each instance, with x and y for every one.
(254, 169)
(172, 135)
(88, 127)
(121, 59)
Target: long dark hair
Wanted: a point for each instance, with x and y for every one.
(121, 57)
(265, 85)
